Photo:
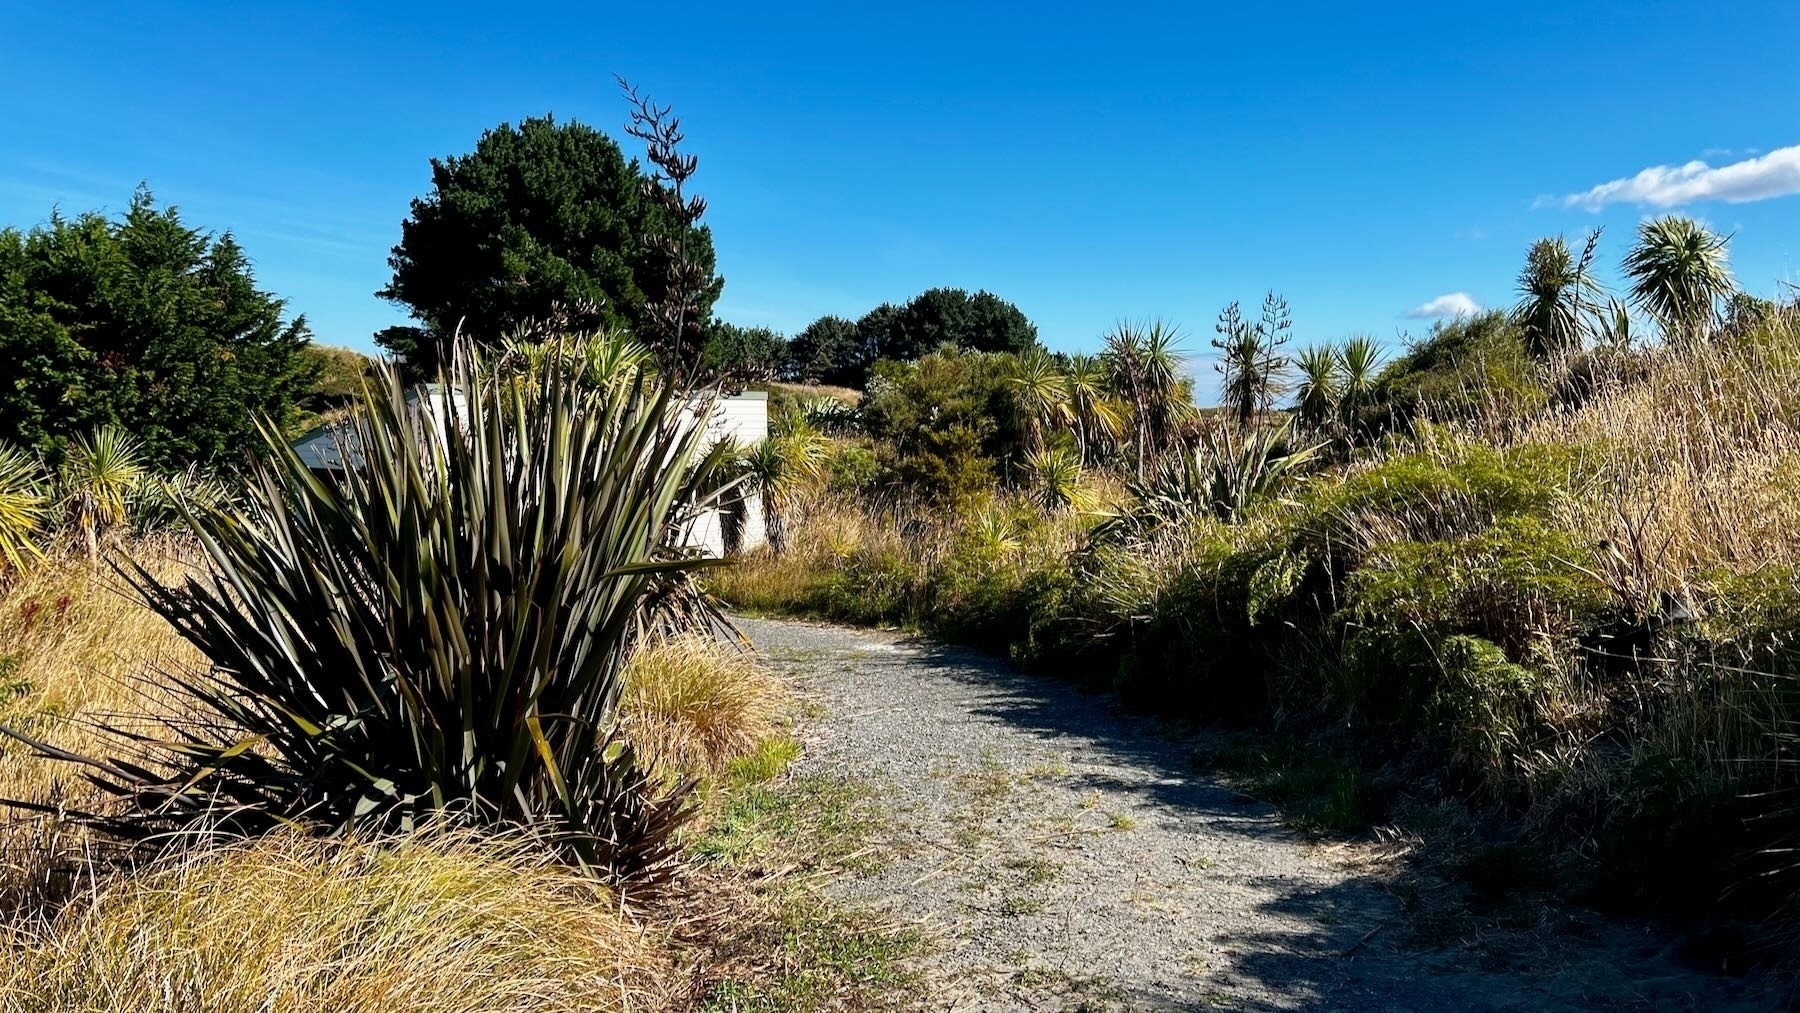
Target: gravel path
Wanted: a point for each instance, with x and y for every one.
(1066, 856)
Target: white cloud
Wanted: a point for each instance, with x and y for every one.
(1453, 304)
(1775, 174)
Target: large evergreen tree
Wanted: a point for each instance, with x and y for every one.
(540, 219)
(145, 323)
(743, 353)
(830, 351)
(982, 322)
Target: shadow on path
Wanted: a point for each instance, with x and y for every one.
(1266, 923)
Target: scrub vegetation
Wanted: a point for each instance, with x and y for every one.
(1538, 561)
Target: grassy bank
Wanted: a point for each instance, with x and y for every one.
(1576, 606)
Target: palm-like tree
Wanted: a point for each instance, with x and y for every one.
(1359, 363)
(98, 479)
(23, 509)
(1040, 396)
(1557, 295)
(1252, 369)
(1144, 368)
(1679, 272)
(1169, 394)
(775, 467)
(1318, 388)
(1096, 414)
(1612, 325)
(1055, 478)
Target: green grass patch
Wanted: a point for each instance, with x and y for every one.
(1316, 790)
(769, 760)
(827, 958)
(830, 821)
(814, 953)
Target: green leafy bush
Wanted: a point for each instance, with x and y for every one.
(1458, 635)
(1513, 584)
(850, 469)
(1448, 491)
(1467, 368)
(943, 425)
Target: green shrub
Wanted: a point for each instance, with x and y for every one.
(1521, 580)
(850, 469)
(1452, 490)
(1457, 635)
(943, 425)
(1470, 367)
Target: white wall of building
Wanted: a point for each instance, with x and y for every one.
(743, 418)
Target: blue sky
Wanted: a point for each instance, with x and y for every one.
(1091, 165)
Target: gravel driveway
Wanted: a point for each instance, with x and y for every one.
(1065, 856)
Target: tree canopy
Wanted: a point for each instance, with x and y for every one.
(539, 219)
(829, 350)
(146, 323)
(746, 353)
(982, 322)
(836, 351)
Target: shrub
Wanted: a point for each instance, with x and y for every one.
(943, 425)
(1447, 489)
(440, 628)
(1469, 368)
(1517, 582)
(1461, 635)
(849, 469)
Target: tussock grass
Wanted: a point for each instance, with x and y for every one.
(694, 703)
(435, 921)
(75, 644)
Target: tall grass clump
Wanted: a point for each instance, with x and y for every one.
(441, 627)
(693, 703)
(74, 640)
(428, 922)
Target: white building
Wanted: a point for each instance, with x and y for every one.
(736, 525)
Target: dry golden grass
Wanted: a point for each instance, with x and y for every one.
(868, 559)
(808, 391)
(431, 922)
(74, 646)
(694, 703)
(1699, 459)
